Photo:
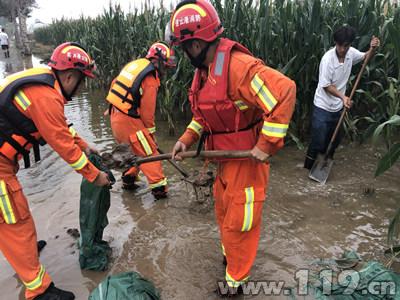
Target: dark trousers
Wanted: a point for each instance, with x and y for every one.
(323, 126)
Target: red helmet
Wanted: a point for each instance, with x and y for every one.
(72, 56)
(161, 51)
(195, 19)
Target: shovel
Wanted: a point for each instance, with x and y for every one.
(175, 165)
(136, 161)
(323, 165)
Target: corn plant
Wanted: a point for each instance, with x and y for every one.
(290, 36)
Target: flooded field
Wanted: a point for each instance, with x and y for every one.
(175, 242)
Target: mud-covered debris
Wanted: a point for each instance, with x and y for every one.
(74, 233)
(120, 157)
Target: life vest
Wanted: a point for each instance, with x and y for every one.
(226, 125)
(125, 92)
(18, 133)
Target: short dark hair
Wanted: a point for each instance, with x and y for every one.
(344, 35)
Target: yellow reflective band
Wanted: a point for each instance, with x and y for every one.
(197, 8)
(143, 141)
(248, 209)
(80, 163)
(66, 49)
(195, 126)
(152, 129)
(263, 93)
(72, 131)
(223, 250)
(22, 100)
(241, 105)
(37, 282)
(163, 182)
(5, 204)
(232, 282)
(274, 129)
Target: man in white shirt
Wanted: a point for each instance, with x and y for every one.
(330, 97)
(4, 43)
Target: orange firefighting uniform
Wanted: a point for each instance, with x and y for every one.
(18, 240)
(138, 132)
(240, 185)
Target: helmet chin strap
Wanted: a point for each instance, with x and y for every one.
(64, 93)
(198, 61)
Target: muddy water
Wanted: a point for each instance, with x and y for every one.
(175, 242)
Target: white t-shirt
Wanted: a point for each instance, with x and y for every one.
(332, 72)
(3, 38)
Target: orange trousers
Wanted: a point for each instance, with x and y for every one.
(145, 146)
(18, 241)
(239, 192)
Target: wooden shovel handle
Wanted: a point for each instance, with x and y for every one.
(335, 133)
(193, 154)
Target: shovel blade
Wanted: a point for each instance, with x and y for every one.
(321, 169)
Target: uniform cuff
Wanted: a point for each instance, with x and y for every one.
(189, 138)
(90, 172)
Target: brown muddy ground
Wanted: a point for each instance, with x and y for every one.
(175, 242)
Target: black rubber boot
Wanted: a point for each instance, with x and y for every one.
(40, 245)
(128, 182)
(53, 293)
(159, 192)
(309, 162)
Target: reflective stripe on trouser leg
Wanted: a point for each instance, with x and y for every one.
(143, 141)
(154, 174)
(5, 204)
(37, 282)
(18, 243)
(248, 209)
(162, 182)
(232, 282)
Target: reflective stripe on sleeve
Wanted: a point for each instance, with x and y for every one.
(274, 129)
(263, 93)
(80, 163)
(195, 126)
(22, 100)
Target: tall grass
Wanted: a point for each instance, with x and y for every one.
(291, 36)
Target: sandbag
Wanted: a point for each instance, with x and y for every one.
(125, 286)
(94, 252)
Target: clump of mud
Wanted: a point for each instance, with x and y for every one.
(120, 157)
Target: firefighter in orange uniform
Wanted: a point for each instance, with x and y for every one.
(32, 114)
(132, 99)
(238, 103)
